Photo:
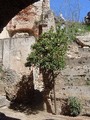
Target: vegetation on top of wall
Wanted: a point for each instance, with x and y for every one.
(87, 28)
(73, 29)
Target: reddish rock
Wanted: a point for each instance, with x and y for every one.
(33, 20)
(24, 21)
(30, 20)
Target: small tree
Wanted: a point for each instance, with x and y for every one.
(49, 55)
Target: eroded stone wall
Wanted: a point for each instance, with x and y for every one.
(13, 53)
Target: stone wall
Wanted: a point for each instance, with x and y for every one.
(14, 51)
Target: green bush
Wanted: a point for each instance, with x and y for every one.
(87, 27)
(88, 82)
(74, 106)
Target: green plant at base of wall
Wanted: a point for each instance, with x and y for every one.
(74, 105)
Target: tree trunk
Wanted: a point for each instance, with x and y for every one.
(55, 106)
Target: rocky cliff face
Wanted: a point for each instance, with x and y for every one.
(74, 80)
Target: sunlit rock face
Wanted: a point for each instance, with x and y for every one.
(26, 20)
(10, 8)
(4, 34)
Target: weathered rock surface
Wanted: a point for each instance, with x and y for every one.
(18, 89)
(3, 101)
(13, 54)
(8, 9)
(25, 20)
(74, 80)
(11, 78)
(33, 20)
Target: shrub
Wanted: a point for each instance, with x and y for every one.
(74, 106)
(88, 81)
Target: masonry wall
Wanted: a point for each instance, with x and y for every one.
(14, 51)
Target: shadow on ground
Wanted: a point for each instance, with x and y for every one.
(49, 119)
(4, 117)
(88, 115)
(32, 106)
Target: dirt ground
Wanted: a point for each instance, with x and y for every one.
(10, 114)
(41, 115)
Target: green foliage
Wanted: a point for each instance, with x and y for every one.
(1, 70)
(49, 51)
(87, 27)
(88, 82)
(74, 106)
(73, 29)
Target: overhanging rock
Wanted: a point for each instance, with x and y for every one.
(9, 8)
